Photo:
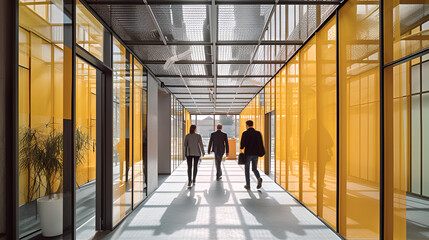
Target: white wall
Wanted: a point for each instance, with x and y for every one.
(152, 135)
(164, 132)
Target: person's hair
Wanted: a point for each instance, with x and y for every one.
(192, 129)
(219, 126)
(249, 123)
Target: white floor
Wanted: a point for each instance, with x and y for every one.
(220, 210)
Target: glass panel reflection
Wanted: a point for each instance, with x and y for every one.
(121, 133)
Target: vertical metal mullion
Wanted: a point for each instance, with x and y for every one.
(132, 130)
(99, 149)
(9, 85)
(381, 58)
(69, 166)
(338, 119)
(421, 126)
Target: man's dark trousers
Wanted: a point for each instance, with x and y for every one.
(219, 144)
(218, 162)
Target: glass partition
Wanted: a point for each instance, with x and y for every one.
(122, 180)
(42, 69)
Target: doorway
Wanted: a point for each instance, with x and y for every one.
(87, 78)
(270, 144)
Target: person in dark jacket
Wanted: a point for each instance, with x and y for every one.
(194, 148)
(218, 143)
(251, 141)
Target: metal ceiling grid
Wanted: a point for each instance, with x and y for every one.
(232, 53)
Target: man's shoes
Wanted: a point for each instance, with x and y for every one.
(259, 183)
(247, 187)
(218, 178)
(193, 183)
(189, 184)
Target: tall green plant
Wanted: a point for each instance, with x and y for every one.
(41, 151)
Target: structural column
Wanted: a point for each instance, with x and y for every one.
(8, 119)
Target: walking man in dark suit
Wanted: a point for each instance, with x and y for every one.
(218, 143)
(251, 141)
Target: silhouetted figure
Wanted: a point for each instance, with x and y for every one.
(194, 148)
(219, 142)
(251, 141)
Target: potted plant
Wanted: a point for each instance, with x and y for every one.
(41, 150)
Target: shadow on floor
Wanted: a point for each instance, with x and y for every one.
(182, 210)
(266, 211)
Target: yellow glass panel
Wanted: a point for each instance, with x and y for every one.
(283, 129)
(138, 164)
(86, 120)
(308, 122)
(267, 90)
(293, 127)
(327, 123)
(359, 120)
(24, 48)
(277, 167)
(89, 31)
(406, 28)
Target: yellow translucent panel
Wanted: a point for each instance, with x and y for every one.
(267, 90)
(41, 76)
(406, 28)
(278, 150)
(283, 129)
(24, 48)
(308, 122)
(292, 127)
(359, 120)
(86, 120)
(43, 18)
(326, 123)
(24, 121)
(89, 31)
(273, 95)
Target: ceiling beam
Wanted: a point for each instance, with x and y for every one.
(218, 62)
(209, 86)
(188, 98)
(265, 42)
(211, 76)
(216, 2)
(218, 43)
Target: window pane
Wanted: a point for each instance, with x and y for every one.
(89, 31)
(415, 145)
(425, 142)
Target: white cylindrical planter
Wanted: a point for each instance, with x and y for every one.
(51, 215)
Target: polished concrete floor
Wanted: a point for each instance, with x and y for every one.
(220, 210)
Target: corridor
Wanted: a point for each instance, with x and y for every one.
(220, 210)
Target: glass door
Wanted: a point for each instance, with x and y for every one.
(85, 148)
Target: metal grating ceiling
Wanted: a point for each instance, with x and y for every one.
(234, 46)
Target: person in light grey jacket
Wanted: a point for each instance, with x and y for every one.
(194, 148)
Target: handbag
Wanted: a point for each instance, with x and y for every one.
(241, 159)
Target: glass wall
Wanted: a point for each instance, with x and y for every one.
(42, 76)
(406, 89)
(180, 120)
(139, 121)
(122, 181)
(302, 99)
(360, 119)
